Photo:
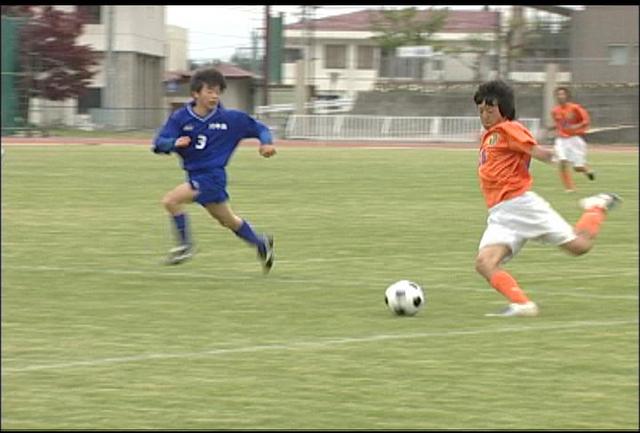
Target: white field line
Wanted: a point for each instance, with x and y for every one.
(314, 345)
(482, 287)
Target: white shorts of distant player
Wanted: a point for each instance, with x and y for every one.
(526, 217)
(572, 149)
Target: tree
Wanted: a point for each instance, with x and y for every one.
(52, 65)
(480, 49)
(408, 26)
(243, 60)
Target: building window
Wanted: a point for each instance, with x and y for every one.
(335, 56)
(91, 99)
(365, 57)
(92, 14)
(618, 55)
(292, 55)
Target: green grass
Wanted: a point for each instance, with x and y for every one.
(97, 335)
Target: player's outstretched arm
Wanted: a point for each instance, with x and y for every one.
(543, 154)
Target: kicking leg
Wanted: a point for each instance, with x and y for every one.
(591, 175)
(263, 243)
(588, 226)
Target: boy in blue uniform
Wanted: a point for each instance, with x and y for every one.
(205, 136)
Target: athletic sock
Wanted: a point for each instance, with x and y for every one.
(182, 227)
(246, 232)
(504, 283)
(590, 221)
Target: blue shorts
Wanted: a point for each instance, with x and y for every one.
(211, 186)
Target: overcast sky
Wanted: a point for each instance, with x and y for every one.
(215, 32)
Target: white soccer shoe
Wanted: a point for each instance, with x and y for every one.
(605, 200)
(528, 309)
(179, 254)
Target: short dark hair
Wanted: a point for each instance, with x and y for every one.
(210, 76)
(497, 91)
(566, 90)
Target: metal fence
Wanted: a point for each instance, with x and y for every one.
(360, 127)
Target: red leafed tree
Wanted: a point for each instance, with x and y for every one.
(53, 65)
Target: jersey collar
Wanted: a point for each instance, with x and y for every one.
(208, 116)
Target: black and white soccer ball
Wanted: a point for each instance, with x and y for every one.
(404, 298)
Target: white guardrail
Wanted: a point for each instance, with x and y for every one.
(398, 128)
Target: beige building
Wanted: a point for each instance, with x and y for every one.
(604, 44)
(176, 51)
(132, 95)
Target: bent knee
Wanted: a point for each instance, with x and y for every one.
(484, 265)
(168, 201)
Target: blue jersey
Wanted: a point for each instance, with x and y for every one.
(214, 137)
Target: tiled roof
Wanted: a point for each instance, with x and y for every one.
(457, 21)
(227, 69)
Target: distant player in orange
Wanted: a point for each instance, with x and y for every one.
(517, 214)
(571, 121)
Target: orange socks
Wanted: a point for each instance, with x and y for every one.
(504, 283)
(567, 180)
(590, 221)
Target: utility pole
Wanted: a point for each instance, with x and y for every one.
(265, 65)
(110, 78)
(254, 52)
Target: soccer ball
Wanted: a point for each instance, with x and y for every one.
(404, 298)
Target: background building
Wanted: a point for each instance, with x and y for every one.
(238, 94)
(604, 44)
(342, 58)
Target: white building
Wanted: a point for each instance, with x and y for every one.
(342, 58)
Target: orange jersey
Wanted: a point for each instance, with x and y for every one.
(503, 166)
(570, 114)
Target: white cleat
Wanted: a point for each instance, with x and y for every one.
(179, 255)
(528, 309)
(605, 200)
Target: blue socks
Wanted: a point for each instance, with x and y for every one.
(182, 226)
(246, 232)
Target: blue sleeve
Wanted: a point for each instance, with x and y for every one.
(164, 142)
(257, 129)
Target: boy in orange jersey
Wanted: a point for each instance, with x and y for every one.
(571, 122)
(517, 214)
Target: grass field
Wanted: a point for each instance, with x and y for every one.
(97, 335)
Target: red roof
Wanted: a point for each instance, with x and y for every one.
(227, 69)
(457, 21)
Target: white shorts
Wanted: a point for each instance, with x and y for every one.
(573, 149)
(513, 222)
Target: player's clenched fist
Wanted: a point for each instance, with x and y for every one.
(183, 141)
(267, 150)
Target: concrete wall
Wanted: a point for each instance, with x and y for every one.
(136, 28)
(592, 31)
(607, 105)
(176, 49)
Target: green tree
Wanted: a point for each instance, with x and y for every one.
(53, 65)
(406, 27)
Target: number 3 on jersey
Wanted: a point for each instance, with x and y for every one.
(202, 142)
